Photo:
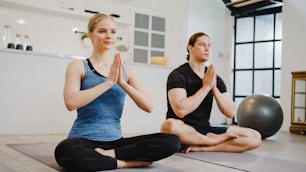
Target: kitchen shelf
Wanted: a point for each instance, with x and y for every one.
(59, 11)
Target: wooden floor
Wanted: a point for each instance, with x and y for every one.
(283, 145)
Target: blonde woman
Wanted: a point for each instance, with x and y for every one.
(96, 88)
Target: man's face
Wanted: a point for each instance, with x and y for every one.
(201, 49)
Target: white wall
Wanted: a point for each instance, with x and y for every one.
(37, 106)
(134, 120)
(220, 29)
(213, 18)
(30, 110)
(50, 25)
(31, 94)
(293, 51)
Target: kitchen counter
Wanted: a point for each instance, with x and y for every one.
(35, 53)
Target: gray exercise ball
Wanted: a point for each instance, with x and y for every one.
(261, 113)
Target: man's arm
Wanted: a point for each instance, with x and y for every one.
(183, 105)
(224, 102)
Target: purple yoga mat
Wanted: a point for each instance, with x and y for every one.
(246, 161)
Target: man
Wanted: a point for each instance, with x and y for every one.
(191, 89)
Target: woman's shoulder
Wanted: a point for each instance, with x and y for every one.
(75, 63)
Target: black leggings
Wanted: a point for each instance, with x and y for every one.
(79, 153)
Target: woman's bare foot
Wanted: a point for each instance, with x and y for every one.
(110, 153)
(131, 164)
(121, 163)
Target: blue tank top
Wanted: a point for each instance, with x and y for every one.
(100, 119)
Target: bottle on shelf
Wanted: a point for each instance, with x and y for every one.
(6, 37)
(27, 43)
(18, 42)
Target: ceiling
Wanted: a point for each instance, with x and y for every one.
(253, 7)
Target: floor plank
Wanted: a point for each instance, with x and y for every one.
(283, 145)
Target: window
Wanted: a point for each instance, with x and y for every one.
(257, 56)
(149, 37)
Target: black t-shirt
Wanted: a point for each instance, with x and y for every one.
(184, 77)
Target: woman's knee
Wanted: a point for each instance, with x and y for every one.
(79, 154)
(164, 146)
(172, 142)
(64, 154)
(166, 141)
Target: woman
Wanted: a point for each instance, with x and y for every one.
(96, 87)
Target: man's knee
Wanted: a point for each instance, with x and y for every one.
(257, 139)
(251, 136)
(169, 125)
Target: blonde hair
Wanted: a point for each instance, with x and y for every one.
(95, 19)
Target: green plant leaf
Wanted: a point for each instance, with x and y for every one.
(84, 35)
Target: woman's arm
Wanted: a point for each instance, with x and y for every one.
(74, 97)
(136, 90)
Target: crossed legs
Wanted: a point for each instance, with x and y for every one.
(235, 139)
(83, 154)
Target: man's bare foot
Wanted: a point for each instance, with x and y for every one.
(186, 150)
(227, 135)
(194, 148)
(131, 164)
(232, 135)
(222, 137)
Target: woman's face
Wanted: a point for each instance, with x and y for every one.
(104, 35)
(201, 49)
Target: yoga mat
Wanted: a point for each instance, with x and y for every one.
(44, 153)
(245, 161)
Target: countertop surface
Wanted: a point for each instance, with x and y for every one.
(40, 53)
(66, 56)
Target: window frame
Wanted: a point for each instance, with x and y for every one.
(253, 69)
(149, 49)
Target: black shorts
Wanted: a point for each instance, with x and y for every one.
(213, 129)
(209, 129)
